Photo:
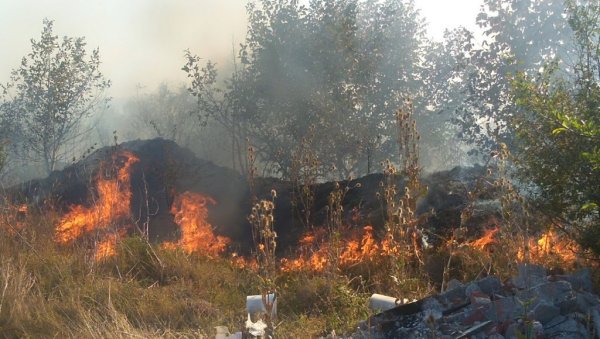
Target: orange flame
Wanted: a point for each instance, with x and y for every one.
(108, 247)
(112, 204)
(191, 215)
(551, 245)
(486, 240)
(353, 251)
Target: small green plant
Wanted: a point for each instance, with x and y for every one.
(527, 331)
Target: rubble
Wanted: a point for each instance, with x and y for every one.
(533, 304)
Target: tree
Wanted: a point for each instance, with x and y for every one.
(519, 36)
(55, 88)
(166, 114)
(342, 66)
(558, 132)
(446, 70)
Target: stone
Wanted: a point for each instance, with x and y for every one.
(490, 285)
(504, 309)
(584, 303)
(545, 312)
(453, 296)
(529, 275)
(512, 330)
(537, 329)
(555, 322)
(472, 287)
(478, 297)
(475, 315)
(581, 280)
(554, 292)
(570, 328)
(452, 284)
(523, 329)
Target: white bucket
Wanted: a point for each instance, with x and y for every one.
(254, 304)
(383, 302)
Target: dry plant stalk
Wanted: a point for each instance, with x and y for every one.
(511, 236)
(304, 174)
(403, 236)
(401, 222)
(335, 211)
(251, 155)
(262, 221)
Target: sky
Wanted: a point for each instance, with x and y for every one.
(142, 42)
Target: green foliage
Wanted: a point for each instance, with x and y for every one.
(338, 64)
(55, 88)
(559, 132)
(519, 36)
(164, 113)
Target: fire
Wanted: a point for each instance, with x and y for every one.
(355, 250)
(107, 248)
(12, 217)
(552, 245)
(486, 240)
(191, 215)
(112, 205)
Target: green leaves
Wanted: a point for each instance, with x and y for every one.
(55, 88)
(558, 139)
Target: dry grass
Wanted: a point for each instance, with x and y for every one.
(47, 290)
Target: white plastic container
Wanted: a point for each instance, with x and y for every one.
(254, 304)
(383, 302)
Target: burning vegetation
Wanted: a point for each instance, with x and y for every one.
(390, 257)
(109, 214)
(317, 254)
(190, 211)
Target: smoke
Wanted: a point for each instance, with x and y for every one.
(140, 41)
(142, 45)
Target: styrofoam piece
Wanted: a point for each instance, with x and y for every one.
(222, 332)
(382, 302)
(254, 304)
(256, 329)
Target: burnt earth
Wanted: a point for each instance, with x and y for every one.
(165, 170)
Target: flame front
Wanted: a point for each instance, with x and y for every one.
(553, 246)
(486, 240)
(112, 205)
(353, 251)
(107, 248)
(191, 215)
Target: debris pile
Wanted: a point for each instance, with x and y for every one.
(531, 305)
(161, 172)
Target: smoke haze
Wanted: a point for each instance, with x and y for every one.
(142, 41)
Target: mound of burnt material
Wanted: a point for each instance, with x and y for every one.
(155, 186)
(530, 305)
(149, 175)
